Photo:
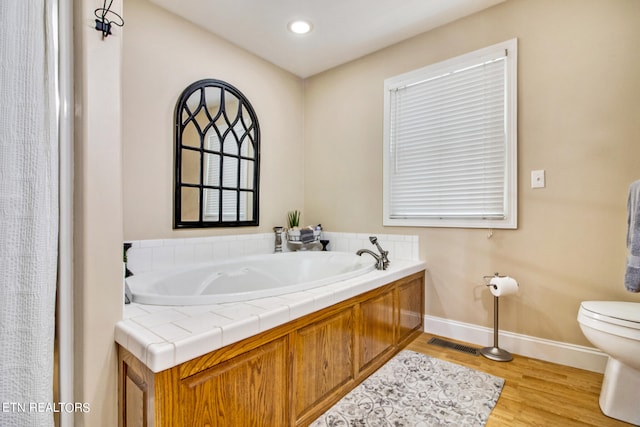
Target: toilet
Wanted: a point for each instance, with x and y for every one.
(614, 328)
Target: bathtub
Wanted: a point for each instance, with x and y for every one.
(246, 278)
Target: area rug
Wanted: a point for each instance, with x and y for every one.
(415, 390)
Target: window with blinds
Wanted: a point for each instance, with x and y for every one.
(450, 149)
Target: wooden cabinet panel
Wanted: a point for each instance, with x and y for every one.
(286, 376)
(376, 328)
(410, 307)
(136, 387)
(135, 400)
(248, 390)
(323, 360)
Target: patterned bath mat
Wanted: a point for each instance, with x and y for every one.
(415, 390)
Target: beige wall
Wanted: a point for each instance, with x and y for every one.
(579, 99)
(162, 55)
(579, 96)
(97, 216)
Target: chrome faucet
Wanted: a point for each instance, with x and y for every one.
(382, 260)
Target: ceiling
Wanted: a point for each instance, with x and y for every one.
(343, 30)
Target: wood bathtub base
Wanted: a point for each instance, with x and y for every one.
(287, 376)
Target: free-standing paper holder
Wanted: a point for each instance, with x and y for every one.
(495, 352)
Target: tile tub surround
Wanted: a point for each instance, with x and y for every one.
(148, 255)
(165, 336)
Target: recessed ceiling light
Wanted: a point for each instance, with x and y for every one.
(300, 26)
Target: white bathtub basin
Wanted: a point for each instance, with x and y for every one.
(246, 278)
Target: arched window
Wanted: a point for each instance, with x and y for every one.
(217, 157)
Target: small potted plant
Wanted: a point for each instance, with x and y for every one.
(293, 221)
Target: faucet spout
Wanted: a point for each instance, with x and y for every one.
(379, 265)
(382, 260)
(367, 251)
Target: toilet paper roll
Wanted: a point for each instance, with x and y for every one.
(501, 286)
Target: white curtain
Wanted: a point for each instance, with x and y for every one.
(28, 211)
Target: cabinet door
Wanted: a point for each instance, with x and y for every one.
(248, 390)
(410, 306)
(376, 328)
(323, 360)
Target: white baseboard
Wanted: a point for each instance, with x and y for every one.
(558, 352)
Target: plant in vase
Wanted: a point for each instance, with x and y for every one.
(293, 221)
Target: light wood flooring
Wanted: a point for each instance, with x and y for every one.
(535, 393)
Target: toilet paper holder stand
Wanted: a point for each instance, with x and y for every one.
(495, 352)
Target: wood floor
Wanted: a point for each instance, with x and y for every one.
(535, 393)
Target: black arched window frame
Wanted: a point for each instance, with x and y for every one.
(184, 116)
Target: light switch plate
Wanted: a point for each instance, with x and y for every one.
(537, 179)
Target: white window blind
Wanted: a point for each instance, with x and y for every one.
(450, 142)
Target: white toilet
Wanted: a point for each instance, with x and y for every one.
(614, 327)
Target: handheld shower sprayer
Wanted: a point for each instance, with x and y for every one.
(374, 241)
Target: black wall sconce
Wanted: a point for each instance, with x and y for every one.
(102, 23)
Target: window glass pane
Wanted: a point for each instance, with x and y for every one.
(247, 147)
(190, 167)
(212, 204)
(229, 203)
(191, 135)
(230, 172)
(190, 204)
(246, 174)
(212, 171)
(246, 205)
